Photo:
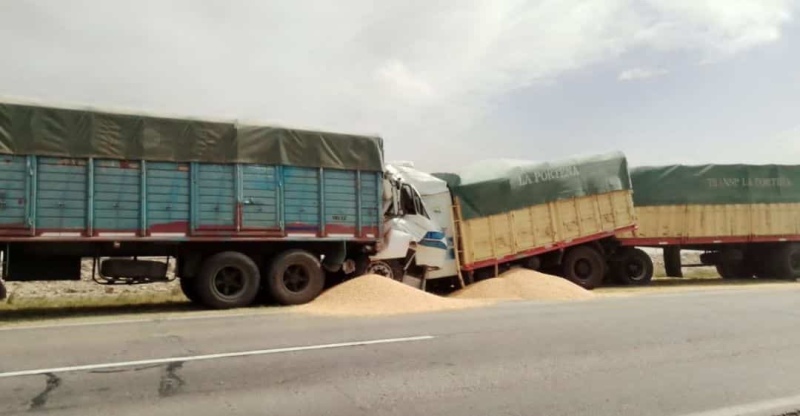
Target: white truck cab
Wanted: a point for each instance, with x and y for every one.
(418, 235)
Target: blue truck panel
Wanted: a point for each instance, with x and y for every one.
(61, 197)
(13, 193)
(117, 196)
(301, 203)
(260, 197)
(49, 196)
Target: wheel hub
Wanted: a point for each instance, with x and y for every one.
(635, 270)
(583, 269)
(229, 282)
(380, 268)
(296, 278)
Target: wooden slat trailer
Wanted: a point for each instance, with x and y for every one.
(746, 218)
(560, 217)
(242, 209)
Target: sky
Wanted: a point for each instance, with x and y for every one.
(445, 83)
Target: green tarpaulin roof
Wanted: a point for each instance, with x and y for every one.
(497, 186)
(715, 184)
(47, 131)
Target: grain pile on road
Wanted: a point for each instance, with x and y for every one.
(524, 284)
(373, 295)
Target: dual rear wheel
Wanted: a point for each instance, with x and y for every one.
(586, 267)
(632, 267)
(233, 280)
(781, 262)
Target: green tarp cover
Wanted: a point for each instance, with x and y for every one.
(715, 184)
(35, 130)
(498, 186)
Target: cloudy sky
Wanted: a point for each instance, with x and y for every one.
(446, 82)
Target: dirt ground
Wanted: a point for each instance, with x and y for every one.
(86, 287)
(41, 300)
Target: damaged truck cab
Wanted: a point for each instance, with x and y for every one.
(561, 217)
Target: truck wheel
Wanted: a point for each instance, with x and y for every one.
(227, 280)
(634, 267)
(296, 277)
(785, 261)
(392, 269)
(188, 289)
(584, 266)
(672, 261)
(757, 264)
(734, 270)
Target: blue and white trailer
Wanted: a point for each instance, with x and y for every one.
(241, 209)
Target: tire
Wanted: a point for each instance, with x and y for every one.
(672, 261)
(295, 277)
(734, 270)
(756, 262)
(227, 280)
(784, 262)
(633, 267)
(393, 269)
(188, 289)
(362, 264)
(584, 266)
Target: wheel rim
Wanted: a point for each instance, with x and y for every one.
(229, 282)
(634, 270)
(381, 269)
(583, 269)
(296, 278)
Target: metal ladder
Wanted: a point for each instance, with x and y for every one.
(458, 243)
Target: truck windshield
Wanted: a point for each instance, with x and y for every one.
(411, 202)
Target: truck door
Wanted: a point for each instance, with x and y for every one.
(15, 181)
(432, 245)
(260, 198)
(216, 191)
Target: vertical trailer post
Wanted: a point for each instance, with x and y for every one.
(90, 198)
(143, 199)
(358, 204)
(321, 181)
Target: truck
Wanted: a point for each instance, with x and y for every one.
(242, 210)
(745, 218)
(561, 217)
(246, 212)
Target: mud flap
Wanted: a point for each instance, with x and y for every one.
(334, 256)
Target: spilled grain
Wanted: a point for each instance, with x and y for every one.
(524, 284)
(374, 295)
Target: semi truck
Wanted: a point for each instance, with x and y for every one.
(561, 217)
(254, 211)
(745, 218)
(242, 210)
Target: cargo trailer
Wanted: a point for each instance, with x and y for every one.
(241, 209)
(561, 217)
(745, 218)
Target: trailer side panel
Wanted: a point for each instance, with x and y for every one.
(541, 228)
(45, 198)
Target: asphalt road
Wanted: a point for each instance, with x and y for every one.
(709, 353)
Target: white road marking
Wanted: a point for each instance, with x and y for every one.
(784, 404)
(104, 366)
